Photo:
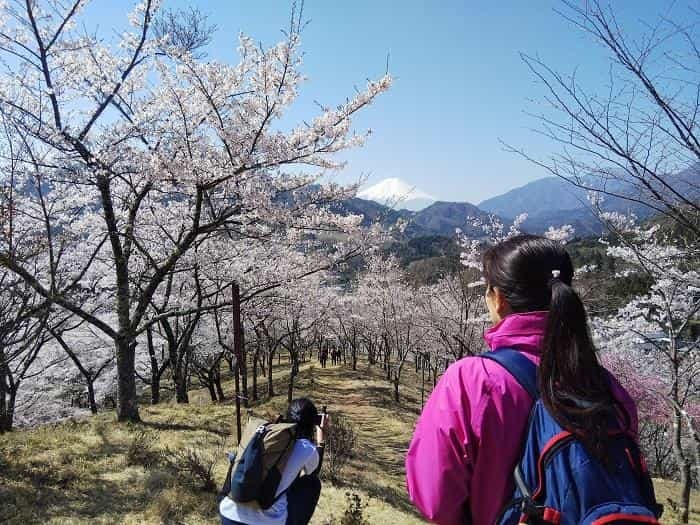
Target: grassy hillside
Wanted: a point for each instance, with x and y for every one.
(97, 471)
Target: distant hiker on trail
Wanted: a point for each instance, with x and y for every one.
(324, 356)
(581, 462)
(274, 478)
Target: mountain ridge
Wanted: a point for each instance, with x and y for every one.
(548, 201)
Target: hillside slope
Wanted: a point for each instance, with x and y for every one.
(79, 472)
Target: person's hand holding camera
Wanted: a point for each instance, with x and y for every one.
(322, 426)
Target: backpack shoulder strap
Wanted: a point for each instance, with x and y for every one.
(519, 366)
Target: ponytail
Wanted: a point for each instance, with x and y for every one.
(573, 385)
(535, 273)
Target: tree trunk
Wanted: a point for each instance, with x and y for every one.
(7, 388)
(270, 388)
(125, 343)
(294, 371)
(210, 387)
(396, 388)
(262, 363)
(695, 438)
(290, 390)
(683, 467)
(127, 402)
(244, 371)
(422, 384)
(91, 395)
(180, 379)
(7, 407)
(254, 394)
(217, 383)
(181, 395)
(155, 372)
(155, 389)
(4, 427)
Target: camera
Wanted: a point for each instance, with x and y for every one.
(319, 417)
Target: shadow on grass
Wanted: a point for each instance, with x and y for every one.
(39, 503)
(182, 427)
(78, 487)
(389, 495)
(41, 492)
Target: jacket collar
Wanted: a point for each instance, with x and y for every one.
(521, 331)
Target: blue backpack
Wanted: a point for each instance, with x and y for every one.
(558, 482)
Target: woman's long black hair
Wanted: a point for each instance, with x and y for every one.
(535, 273)
(304, 413)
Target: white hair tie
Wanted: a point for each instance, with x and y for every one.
(556, 274)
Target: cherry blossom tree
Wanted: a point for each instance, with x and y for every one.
(127, 156)
(655, 334)
(347, 323)
(396, 306)
(453, 313)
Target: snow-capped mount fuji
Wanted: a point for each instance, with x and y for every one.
(397, 194)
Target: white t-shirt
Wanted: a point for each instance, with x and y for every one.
(304, 457)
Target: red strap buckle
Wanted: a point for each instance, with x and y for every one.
(551, 515)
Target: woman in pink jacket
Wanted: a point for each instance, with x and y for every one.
(468, 439)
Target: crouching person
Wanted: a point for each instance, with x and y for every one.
(273, 477)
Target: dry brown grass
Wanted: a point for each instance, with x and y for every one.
(79, 472)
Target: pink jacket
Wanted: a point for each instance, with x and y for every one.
(468, 438)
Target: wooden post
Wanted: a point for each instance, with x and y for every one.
(422, 386)
(237, 345)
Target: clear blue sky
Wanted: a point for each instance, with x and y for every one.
(460, 85)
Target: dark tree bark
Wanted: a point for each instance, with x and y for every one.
(217, 383)
(254, 394)
(127, 401)
(8, 395)
(270, 387)
(156, 369)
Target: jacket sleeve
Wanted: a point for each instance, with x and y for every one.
(439, 462)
